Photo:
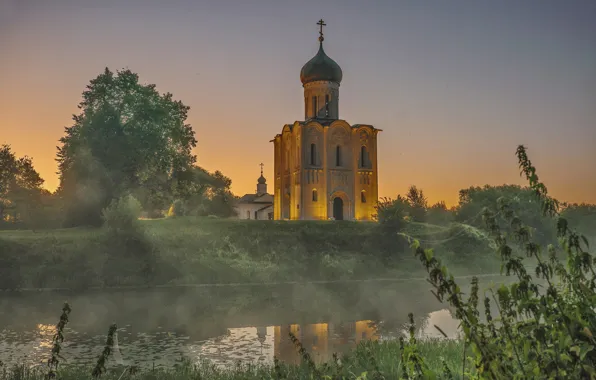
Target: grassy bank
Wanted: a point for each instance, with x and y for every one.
(370, 357)
(203, 250)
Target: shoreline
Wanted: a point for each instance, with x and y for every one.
(198, 252)
(247, 284)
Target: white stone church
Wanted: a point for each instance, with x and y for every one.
(257, 206)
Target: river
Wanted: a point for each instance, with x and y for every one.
(157, 327)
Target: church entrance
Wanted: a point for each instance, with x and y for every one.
(338, 208)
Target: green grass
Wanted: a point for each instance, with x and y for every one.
(203, 250)
(367, 357)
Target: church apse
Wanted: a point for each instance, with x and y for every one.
(325, 168)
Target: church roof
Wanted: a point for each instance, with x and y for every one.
(256, 198)
(356, 126)
(325, 123)
(262, 180)
(321, 67)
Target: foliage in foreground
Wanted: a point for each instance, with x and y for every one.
(541, 331)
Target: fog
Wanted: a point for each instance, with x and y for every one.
(222, 324)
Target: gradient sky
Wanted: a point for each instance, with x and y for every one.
(454, 85)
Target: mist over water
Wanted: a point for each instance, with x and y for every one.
(156, 327)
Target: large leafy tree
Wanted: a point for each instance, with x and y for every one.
(128, 138)
(20, 187)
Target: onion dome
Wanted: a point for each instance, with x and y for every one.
(321, 67)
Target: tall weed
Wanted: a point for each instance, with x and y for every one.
(541, 331)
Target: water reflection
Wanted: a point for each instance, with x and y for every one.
(241, 344)
(156, 328)
(262, 344)
(444, 320)
(321, 340)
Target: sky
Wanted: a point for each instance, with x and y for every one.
(454, 85)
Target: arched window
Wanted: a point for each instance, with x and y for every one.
(362, 196)
(363, 157)
(315, 196)
(313, 154)
(326, 105)
(338, 155)
(315, 111)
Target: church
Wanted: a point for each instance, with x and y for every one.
(257, 206)
(324, 168)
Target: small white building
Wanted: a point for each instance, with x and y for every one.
(258, 206)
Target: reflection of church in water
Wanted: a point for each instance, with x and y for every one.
(264, 343)
(321, 340)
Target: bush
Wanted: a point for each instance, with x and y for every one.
(122, 214)
(392, 213)
(128, 249)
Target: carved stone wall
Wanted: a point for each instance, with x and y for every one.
(320, 90)
(301, 180)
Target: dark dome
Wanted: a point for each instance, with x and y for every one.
(321, 67)
(262, 180)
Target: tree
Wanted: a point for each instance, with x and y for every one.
(128, 138)
(473, 200)
(391, 213)
(20, 188)
(439, 214)
(584, 217)
(394, 213)
(418, 204)
(221, 199)
(202, 193)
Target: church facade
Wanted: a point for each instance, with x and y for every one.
(324, 167)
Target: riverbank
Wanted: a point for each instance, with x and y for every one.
(183, 251)
(368, 357)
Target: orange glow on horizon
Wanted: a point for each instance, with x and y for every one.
(436, 183)
(244, 180)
